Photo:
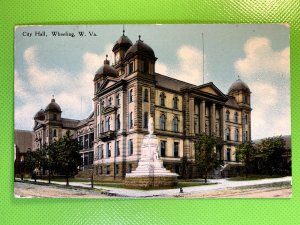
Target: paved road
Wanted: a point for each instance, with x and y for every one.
(222, 184)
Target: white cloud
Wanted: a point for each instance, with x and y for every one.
(261, 59)
(270, 115)
(73, 92)
(190, 65)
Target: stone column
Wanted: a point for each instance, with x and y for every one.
(202, 116)
(222, 125)
(213, 118)
(191, 116)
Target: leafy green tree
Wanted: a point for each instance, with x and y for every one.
(245, 153)
(68, 157)
(205, 153)
(272, 150)
(31, 161)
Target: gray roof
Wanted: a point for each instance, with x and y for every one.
(69, 123)
(23, 140)
(171, 83)
(231, 102)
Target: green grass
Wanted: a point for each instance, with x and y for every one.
(253, 177)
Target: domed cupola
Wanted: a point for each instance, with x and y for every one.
(53, 107)
(140, 48)
(239, 85)
(123, 42)
(241, 92)
(106, 70)
(40, 115)
(119, 49)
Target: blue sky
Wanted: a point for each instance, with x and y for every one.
(65, 66)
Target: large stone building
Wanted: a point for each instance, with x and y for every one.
(127, 93)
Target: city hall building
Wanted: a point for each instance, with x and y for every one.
(127, 93)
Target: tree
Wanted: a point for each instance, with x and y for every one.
(31, 161)
(272, 150)
(245, 153)
(68, 157)
(205, 153)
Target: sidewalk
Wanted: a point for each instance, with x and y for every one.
(221, 184)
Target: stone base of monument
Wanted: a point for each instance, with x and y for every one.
(150, 174)
(149, 182)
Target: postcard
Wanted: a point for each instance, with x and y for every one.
(152, 111)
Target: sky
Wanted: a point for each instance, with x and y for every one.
(64, 66)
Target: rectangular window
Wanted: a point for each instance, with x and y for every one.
(129, 168)
(163, 148)
(145, 124)
(117, 148)
(98, 109)
(176, 149)
(228, 154)
(101, 152)
(91, 158)
(107, 170)
(130, 147)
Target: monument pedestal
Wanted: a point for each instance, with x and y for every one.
(150, 171)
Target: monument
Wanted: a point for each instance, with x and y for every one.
(150, 171)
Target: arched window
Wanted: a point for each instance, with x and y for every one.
(162, 97)
(175, 103)
(227, 133)
(145, 121)
(130, 121)
(118, 122)
(236, 117)
(54, 133)
(236, 135)
(175, 124)
(130, 96)
(162, 122)
(54, 117)
(227, 115)
(146, 95)
(130, 68)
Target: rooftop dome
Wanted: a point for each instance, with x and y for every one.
(141, 48)
(239, 85)
(106, 70)
(40, 115)
(53, 106)
(123, 41)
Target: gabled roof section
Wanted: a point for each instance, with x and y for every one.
(108, 82)
(210, 89)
